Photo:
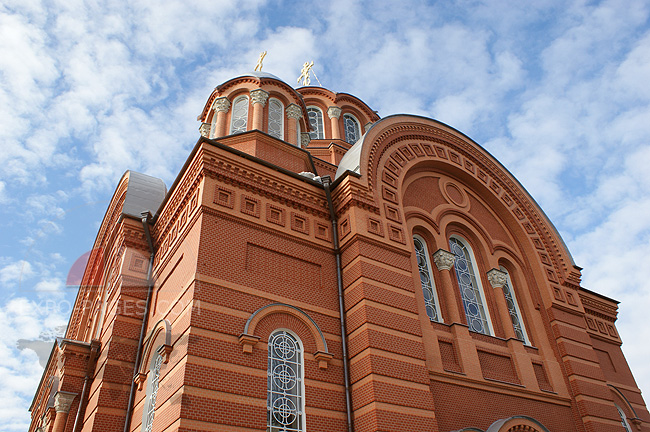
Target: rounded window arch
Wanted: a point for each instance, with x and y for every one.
(285, 403)
(469, 284)
(431, 301)
(315, 116)
(513, 309)
(352, 128)
(239, 116)
(276, 118)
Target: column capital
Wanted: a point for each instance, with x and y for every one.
(259, 96)
(443, 259)
(63, 401)
(497, 278)
(221, 104)
(334, 112)
(204, 130)
(294, 111)
(305, 138)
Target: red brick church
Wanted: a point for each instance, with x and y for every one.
(317, 268)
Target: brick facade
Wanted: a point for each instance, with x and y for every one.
(242, 245)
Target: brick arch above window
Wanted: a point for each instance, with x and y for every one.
(315, 341)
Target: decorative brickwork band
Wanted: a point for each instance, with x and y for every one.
(334, 112)
(497, 278)
(221, 104)
(294, 111)
(63, 401)
(259, 96)
(443, 259)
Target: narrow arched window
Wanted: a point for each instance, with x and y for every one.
(239, 117)
(624, 423)
(316, 122)
(152, 392)
(285, 401)
(426, 279)
(513, 309)
(471, 290)
(352, 129)
(276, 117)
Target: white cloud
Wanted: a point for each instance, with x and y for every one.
(15, 272)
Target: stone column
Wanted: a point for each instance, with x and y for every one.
(294, 113)
(62, 403)
(334, 113)
(444, 261)
(221, 107)
(258, 99)
(498, 279)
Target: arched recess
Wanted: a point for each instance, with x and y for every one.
(249, 339)
(158, 340)
(517, 424)
(393, 146)
(623, 404)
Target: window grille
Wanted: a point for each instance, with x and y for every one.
(471, 290)
(285, 411)
(276, 115)
(239, 119)
(352, 129)
(513, 309)
(316, 121)
(426, 279)
(154, 377)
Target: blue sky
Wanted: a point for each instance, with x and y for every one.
(557, 91)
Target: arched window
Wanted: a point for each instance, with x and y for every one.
(152, 391)
(470, 287)
(352, 129)
(239, 117)
(624, 423)
(285, 401)
(513, 309)
(426, 279)
(276, 117)
(316, 122)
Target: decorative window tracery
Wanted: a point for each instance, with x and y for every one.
(154, 378)
(316, 121)
(513, 309)
(352, 128)
(285, 401)
(470, 287)
(276, 117)
(624, 423)
(426, 279)
(239, 118)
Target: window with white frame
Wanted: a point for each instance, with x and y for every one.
(276, 119)
(471, 290)
(513, 309)
(152, 392)
(239, 116)
(352, 128)
(316, 122)
(426, 279)
(285, 400)
(624, 423)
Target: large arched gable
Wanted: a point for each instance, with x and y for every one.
(398, 145)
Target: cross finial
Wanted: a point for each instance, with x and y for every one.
(304, 73)
(258, 67)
